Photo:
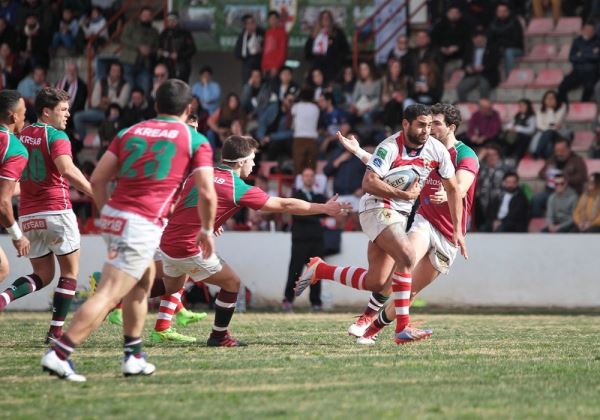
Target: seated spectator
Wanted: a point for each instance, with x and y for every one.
(68, 29)
(587, 212)
(7, 33)
(484, 126)
(138, 109)
(160, 75)
(480, 64)
(176, 47)
(110, 89)
(77, 90)
(228, 119)
(29, 88)
(549, 121)
(331, 119)
(305, 122)
(277, 145)
(345, 88)
(275, 46)
(327, 46)
(394, 94)
(520, 131)
(561, 204)
(510, 211)
(423, 51)
(139, 42)
(285, 84)
(451, 35)
(260, 103)
(401, 52)
(94, 26)
(366, 94)
(541, 6)
(585, 59)
(207, 90)
(317, 83)
(563, 162)
(506, 35)
(489, 183)
(112, 124)
(10, 67)
(428, 85)
(34, 43)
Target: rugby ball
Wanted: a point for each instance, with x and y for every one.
(401, 177)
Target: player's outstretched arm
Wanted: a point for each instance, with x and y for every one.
(67, 168)
(207, 208)
(303, 208)
(352, 145)
(464, 179)
(7, 218)
(104, 172)
(455, 205)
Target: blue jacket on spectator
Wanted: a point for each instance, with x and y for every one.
(585, 54)
(347, 177)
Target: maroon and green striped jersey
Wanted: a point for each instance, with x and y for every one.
(13, 156)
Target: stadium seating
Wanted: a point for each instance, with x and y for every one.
(536, 224)
(529, 169)
(548, 78)
(581, 115)
(583, 140)
(593, 165)
(541, 52)
(539, 27)
(519, 78)
(569, 26)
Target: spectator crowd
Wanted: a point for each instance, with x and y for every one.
(295, 116)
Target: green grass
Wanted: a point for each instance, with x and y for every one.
(305, 366)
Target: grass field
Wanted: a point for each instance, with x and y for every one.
(305, 366)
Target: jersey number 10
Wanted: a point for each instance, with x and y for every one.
(159, 163)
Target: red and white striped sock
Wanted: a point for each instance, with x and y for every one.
(348, 276)
(166, 310)
(401, 285)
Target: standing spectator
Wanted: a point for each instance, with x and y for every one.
(140, 42)
(94, 25)
(307, 241)
(275, 46)
(110, 89)
(41, 9)
(585, 58)
(306, 118)
(34, 43)
(506, 34)
(10, 67)
(549, 121)
(520, 131)
(511, 211)
(77, 90)
(480, 64)
(428, 85)
(563, 162)
(367, 94)
(484, 126)
(207, 90)
(29, 88)
(587, 212)
(176, 48)
(423, 51)
(249, 46)
(68, 29)
(394, 94)
(561, 204)
(137, 110)
(489, 183)
(451, 35)
(540, 6)
(7, 33)
(327, 47)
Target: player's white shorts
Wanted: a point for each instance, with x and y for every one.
(57, 233)
(374, 221)
(196, 267)
(442, 252)
(131, 240)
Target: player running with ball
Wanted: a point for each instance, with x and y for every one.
(383, 216)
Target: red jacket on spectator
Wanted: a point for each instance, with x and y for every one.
(274, 49)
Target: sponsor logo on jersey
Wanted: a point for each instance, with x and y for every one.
(156, 132)
(32, 141)
(34, 224)
(377, 162)
(112, 225)
(381, 152)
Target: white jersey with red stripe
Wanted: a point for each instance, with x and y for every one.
(393, 153)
